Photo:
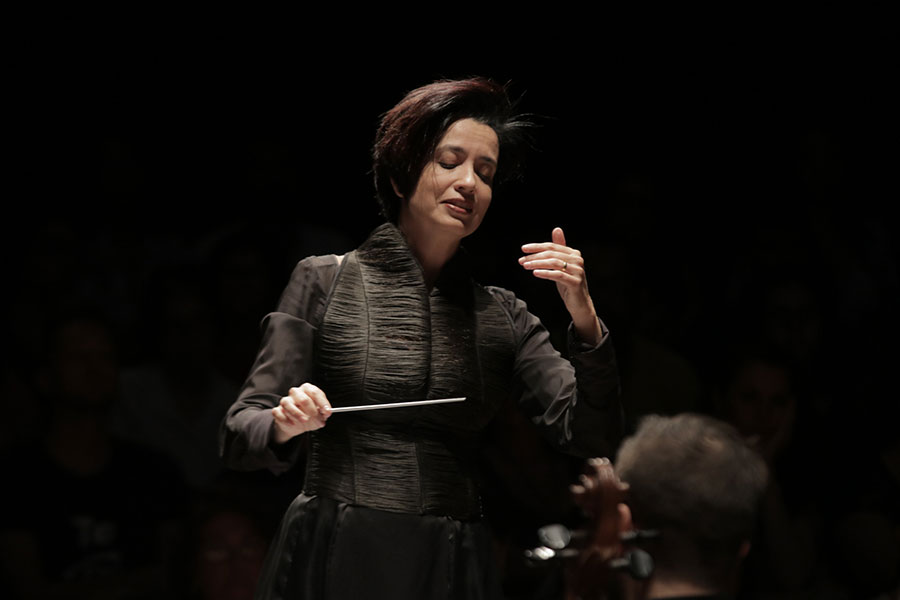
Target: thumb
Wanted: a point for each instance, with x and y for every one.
(624, 513)
(558, 236)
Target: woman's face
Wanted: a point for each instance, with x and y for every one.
(454, 191)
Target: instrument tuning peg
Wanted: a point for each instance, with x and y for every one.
(637, 563)
(555, 536)
(636, 536)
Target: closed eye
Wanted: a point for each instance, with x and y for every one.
(487, 176)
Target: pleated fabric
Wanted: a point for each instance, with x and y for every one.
(391, 505)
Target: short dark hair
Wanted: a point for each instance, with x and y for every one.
(409, 133)
(697, 481)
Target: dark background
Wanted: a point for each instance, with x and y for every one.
(720, 169)
(712, 160)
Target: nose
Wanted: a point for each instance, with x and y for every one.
(465, 182)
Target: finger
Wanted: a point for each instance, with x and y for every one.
(315, 422)
(556, 264)
(278, 414)
(534, 247)
(588, 483)
(290, 408)
(303, 401)
(569, 254)
(558, 236)
(318, 397)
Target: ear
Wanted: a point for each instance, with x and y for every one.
(396, 188)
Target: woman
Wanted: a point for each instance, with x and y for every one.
(390, 506)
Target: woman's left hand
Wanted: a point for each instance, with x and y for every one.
(564, 265)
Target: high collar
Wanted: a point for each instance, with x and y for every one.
(388, 250)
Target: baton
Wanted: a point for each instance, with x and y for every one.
(340, 409)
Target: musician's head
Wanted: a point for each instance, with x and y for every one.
(694, 479)
(410, 133)
(80, 370)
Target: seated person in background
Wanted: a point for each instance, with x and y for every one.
(85, 514)
(695, 480)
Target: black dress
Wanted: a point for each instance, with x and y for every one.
(390, 506)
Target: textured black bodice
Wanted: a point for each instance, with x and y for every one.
(385, 338)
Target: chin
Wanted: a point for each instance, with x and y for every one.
(459, 227)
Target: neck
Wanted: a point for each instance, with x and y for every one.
(431, 249)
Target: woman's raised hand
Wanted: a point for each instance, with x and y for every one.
(558, 262)
(305, 408)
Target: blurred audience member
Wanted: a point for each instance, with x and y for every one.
(864, 526)
(228, 547)
(176, 400)
(85, 514)
(757, 396)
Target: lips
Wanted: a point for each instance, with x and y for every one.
(460, 205)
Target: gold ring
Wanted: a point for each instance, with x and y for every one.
(565, 264)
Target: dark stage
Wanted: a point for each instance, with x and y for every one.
(729, 206)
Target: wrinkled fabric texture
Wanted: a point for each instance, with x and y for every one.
(390, 507)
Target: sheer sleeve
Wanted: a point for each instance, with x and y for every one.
(284, 360)
(575, 402)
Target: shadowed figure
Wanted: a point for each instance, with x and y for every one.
(175, 401)
(97, 515)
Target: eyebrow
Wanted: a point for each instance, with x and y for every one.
(461, 150)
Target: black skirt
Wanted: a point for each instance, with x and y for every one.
(329, 550)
